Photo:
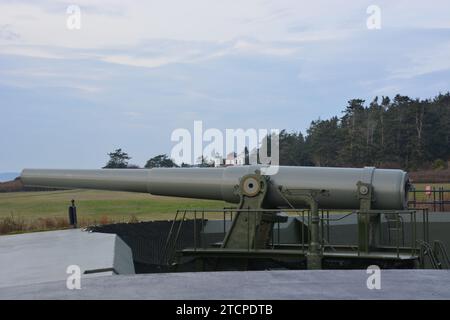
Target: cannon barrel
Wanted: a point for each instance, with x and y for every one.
(390, 187)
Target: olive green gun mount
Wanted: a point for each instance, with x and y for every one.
(252, 227)
(252, 191)
(255, 229)
(251, 230)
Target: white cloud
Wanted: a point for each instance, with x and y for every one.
(83, 88)
(138, 62)
(253, 47)
(198, 29)
(424, 61)
(29, 51)
(194, 20)
(158, 53)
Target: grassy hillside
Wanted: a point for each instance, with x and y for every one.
(31, 211)
(95, 204)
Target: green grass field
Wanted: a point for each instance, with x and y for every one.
(95, 205)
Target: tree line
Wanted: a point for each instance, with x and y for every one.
(119, 159)
(405, 133)
(401, 132)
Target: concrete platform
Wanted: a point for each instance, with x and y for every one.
(324, 284)
(44, 256)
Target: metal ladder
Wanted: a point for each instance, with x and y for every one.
(437, 254)
(172, 238)
(440, 252)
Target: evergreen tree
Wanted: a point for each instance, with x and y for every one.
(117, 160)
(160, 161)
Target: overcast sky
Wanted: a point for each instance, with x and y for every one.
(137, 70)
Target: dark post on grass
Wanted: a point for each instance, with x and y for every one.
(73, 215)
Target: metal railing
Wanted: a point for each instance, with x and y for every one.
(394, 221)
(228, 214)
(435, 199)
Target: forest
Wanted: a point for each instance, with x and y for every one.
(402, 132)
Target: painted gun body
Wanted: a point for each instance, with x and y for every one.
(390, 187)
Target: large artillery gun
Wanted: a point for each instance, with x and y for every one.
(262, 202)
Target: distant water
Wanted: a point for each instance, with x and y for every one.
(8, 176)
